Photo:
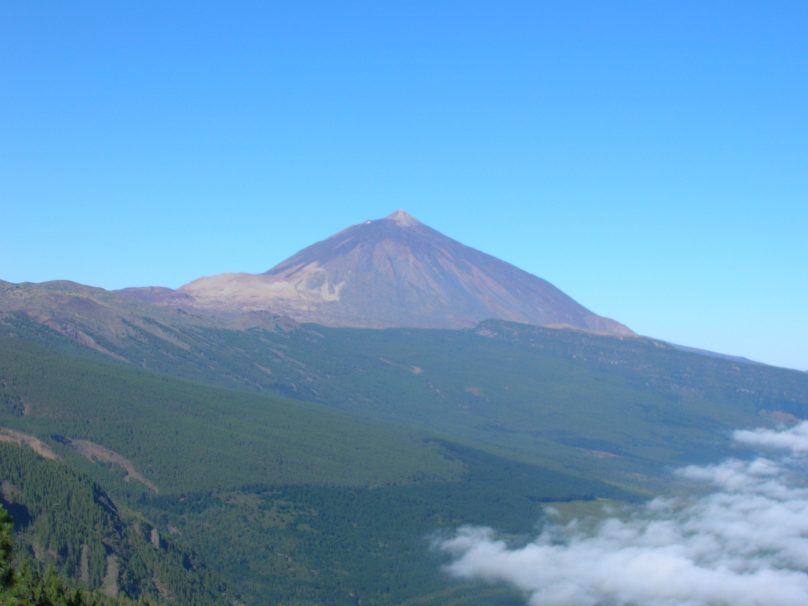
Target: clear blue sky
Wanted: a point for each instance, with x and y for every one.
(649, 158)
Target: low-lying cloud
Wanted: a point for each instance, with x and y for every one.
(742, 542)
(794, 439)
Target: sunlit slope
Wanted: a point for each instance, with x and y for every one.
(176, 436)
(560, 398)
(600, 404)
(557, 397)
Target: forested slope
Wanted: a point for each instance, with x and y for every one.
(290, 502)
(65, 521)
(22, 583)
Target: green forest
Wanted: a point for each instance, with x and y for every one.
(22, 583)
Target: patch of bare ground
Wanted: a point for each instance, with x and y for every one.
(602, 454)
(109, 585)
(24, 439)
(164, 591)
(84, 564)
(8, 491)
(76, 334)
(263, 369)
(39, 552)
(782, 417)
(98, 453)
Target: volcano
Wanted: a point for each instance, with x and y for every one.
(397, 272)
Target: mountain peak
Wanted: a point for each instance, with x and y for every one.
(403, 218)
(396, 271)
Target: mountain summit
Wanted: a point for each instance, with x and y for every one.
(397, 272)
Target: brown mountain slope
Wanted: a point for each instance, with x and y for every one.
(110, 321)
(397, 272)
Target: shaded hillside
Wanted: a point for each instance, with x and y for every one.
(22, 584)
(343, 545)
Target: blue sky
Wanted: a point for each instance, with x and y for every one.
(649, 158)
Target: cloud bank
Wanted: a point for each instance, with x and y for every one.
(742, 542)
(794, 439)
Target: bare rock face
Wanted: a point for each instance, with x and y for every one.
(396, 272)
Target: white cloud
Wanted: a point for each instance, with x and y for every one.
(744, 542)
(794, 439)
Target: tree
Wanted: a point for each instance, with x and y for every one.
(6, 546)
